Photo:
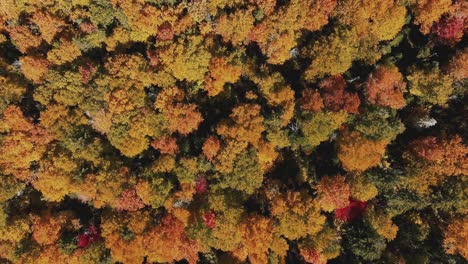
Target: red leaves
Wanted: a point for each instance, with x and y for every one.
(87, 72)
(209, 219)
(201, 185)
(352, 211)
(336, 98)
(165, 31)
(449, 30)
(88, 237)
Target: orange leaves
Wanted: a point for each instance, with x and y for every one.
(34, 68)
(333, 193)
(170, 232)
(23, 143)
(181, 117)
(311, 100)
(357, 153)
(221, 72)
(129, 201)
(211, 147)
(46, 229)
(48, 25)
(245, 124)
(166, 145)
(455, 237)
(257, 236)
(429, 11)
(235, 27)
(24, 39)
(385, 87)
(444, 156)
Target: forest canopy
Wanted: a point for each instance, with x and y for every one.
(233, 131)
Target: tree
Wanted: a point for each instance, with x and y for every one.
(245, 124)
(235, 27)
(454, 238)
(374, 20)
(22, 143)
(317, 127)
(429, 11)
(336, 98)
(385, 87)
(221, 71)
(357, 153)
(333, 192)
(186, 60)
(431, 85)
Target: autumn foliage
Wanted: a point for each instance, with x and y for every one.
(233, 131)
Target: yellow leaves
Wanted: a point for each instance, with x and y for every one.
(15, 231)
(48, 25)
(245, 124)
(357, 153)
(333, 193)
(377, 20)
(362, 189)
(431, 85)
(429, 11)
(383, 225)
(34, 68)
(186, 60)
(24, 39)
(298, 215)
(66, 52)
(24, 143)
(46, 229)
(317, 127)
(235, 27)
(333, 54)
(11, 91)
(221, 71)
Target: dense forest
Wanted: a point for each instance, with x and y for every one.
(233, 131)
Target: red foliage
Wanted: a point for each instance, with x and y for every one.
(165, 31)
(201, 185)
(87, 72)
(209, 219)
(336, 98)
(354, 210)
(449, 30)
(89, 236)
